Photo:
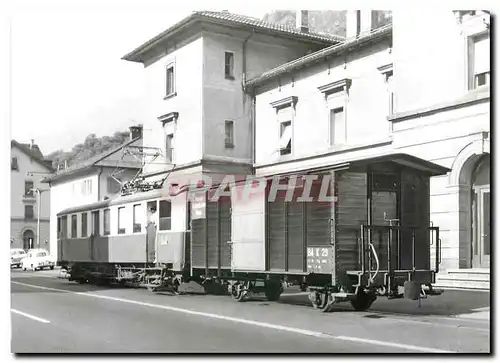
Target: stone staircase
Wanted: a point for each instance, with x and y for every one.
(477, 279)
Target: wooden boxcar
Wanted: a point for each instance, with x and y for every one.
(373, 239)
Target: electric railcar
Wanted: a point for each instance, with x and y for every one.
(373, 238)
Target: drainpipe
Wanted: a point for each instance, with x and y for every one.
(244, 60)
(243, 84)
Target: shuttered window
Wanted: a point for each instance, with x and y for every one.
(481, 60)
(170, 82)
(229, 65)
(337, 126)
(28, 212)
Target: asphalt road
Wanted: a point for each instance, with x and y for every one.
(51, 315)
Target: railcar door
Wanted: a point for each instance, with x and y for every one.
(218, 232)
(415, 239)
(247, 229)
(384, 212)
(285, 231)
(351, 212)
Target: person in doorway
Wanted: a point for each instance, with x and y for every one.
(151, 234)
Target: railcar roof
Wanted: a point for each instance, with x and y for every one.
(119, 200)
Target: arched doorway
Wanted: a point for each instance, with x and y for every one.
(481, 208)
(28, 239)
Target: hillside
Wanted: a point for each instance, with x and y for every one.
(92, 146)
(327, 21)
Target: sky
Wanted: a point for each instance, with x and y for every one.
(67, 76)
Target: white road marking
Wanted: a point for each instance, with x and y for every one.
(30, 316)
(392, 345)
(243, 321)
(477, 316)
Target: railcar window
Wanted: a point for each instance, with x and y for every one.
(107, 227)
(59, 227)
(73, 226)
(137, 218)
(84, 224)
(64, 226)
(165, 215)
(95, 223)
(121, 220)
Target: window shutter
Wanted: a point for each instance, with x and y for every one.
(482, 55)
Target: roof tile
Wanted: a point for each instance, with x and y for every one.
(243, 19)
(234, 19)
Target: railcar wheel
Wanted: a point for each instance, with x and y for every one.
(318, 299)
(237, 292)
(152, 288)
(362, 301)
(329, 302)
(273, 294)
(273, 291)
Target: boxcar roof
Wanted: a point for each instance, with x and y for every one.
(410, 161)
(402, 159)
(116, 201)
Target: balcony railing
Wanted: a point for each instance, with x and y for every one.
(29, 197)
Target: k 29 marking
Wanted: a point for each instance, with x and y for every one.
(317, 252)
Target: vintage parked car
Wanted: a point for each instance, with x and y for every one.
(16, 257)
(38, 259)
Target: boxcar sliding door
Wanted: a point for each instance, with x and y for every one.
(247, 231)
(285, 233)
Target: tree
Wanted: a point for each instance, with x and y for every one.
(91, 146)
(327, 22)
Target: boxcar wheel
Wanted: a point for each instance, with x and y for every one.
(362, 301)
(273, 292)
(152, 288)
(237, 292)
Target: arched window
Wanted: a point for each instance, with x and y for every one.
(481, 205)
(481, 173)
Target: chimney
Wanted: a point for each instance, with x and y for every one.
(358, 22)
(302, 20)
(32, 142)
(135, 132)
